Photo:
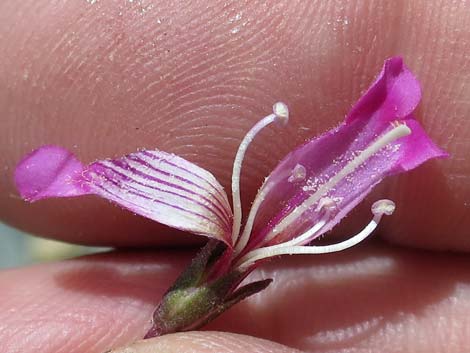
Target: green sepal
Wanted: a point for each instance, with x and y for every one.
(196, 298)
(194, 273)
(236, 297)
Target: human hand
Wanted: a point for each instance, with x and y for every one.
(109, 77)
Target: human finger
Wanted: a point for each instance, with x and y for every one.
(206, 342)
(105, 78)
(370, 298)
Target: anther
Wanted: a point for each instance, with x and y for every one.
(299, 173)
(281, 112)
(383, 207)
(328, 204)
(397, 123)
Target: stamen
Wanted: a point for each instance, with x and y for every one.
(309, 234)
(243, 240)
(379, 208)
(326, 203)
(281, 115)
(299, 173)
(397, 132)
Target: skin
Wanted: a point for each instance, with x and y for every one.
(108, 77)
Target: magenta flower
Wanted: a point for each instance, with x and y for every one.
(306, 195)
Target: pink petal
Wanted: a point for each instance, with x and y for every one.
(165, 188)
(385, 99)
(392, 97)
(154, 184)
(49, 171)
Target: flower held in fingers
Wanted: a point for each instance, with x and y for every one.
(306, 195)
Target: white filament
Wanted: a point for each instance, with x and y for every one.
(280, 114)
(379, 208)
(325, 203)
(243, 240)
(309, 234)
(397, 132)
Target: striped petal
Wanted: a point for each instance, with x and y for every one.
(165, 188)
(154, 184)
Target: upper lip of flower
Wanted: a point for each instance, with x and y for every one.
(318, 183)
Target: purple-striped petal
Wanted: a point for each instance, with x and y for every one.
(165, 188)
(391, 98)
(154, 184)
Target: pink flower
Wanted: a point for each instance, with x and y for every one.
(306, 195)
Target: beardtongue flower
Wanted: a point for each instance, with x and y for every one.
(306, 195)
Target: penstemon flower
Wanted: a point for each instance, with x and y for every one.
(306, 195)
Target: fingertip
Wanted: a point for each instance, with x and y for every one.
(205, 342)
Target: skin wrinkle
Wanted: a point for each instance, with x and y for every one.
(195, 68)
(80, 300)
(187, 135)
